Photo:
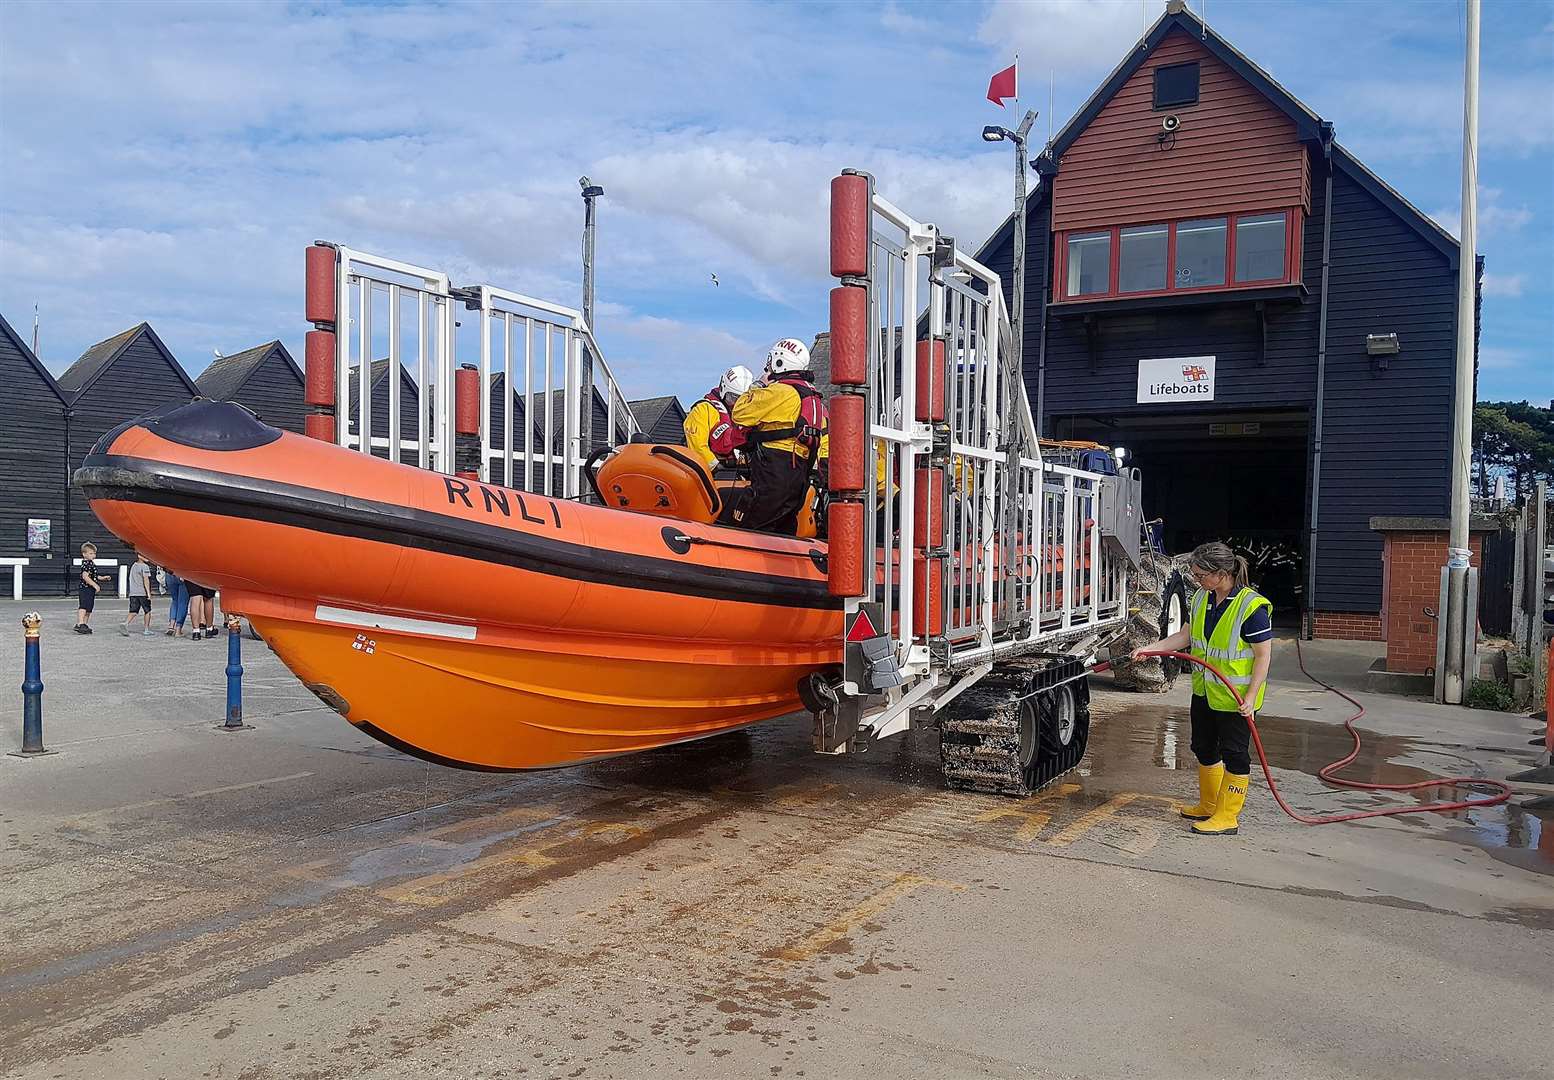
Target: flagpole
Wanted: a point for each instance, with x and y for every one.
(1457, 624)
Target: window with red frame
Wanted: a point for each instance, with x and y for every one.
(1224, 252)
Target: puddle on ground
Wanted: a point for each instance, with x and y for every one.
(1128, 743)
(1133, 743)
(412, 857)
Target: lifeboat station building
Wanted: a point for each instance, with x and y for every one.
(1213, 282)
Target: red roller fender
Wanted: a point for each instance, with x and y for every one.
(849, 443)
(320, 426)
(319, 298)
(319, 366)
(928, 508)
(850, 226)
(930, 381)
(927, 594)
(466, 401)
(844, 568)
(850, 335)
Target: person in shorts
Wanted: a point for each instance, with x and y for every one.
(202, 610)
(87, 588)
(139, 597)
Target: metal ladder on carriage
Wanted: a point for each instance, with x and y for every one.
(978, 580)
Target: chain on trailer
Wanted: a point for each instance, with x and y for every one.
(533, 400)
(958, 552)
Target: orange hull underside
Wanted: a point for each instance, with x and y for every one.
(512, 703)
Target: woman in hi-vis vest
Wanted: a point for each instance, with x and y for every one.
(1232, 628)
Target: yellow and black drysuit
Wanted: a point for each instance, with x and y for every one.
(785, 434)
(710, 431)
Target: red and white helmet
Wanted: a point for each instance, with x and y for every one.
(789, 354)
(736, 380)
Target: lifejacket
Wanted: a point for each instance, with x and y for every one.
(808, 426)
(725, 436)
(1224, 648)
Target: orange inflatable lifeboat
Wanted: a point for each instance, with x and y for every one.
(471, 624)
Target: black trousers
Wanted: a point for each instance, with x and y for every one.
(1220, 736)
(778, 482)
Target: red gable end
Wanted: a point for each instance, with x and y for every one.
(1235, 151)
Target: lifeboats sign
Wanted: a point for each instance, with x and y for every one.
(1188, 378)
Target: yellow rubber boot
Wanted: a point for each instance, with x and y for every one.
(1232, 797)
(1209, 779)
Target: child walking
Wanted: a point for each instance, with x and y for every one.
(87, 588)
(139, 596)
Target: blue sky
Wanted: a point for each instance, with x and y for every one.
(170, 162)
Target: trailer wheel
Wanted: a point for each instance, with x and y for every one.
(1023, 726)
(1174, 614)
(1061, 718)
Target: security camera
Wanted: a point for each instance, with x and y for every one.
(1170, 123)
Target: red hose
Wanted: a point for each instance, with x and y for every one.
(1327, 771)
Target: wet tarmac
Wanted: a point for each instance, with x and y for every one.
(1137, 733)
(298, 901)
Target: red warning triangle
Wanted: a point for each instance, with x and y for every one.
(862, 628)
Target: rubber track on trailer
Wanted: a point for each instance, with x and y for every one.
(979, 732)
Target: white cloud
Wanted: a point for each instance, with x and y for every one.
(1416, 117)
(170, 162)
(1504, 284)
(1493, 216)
(1069, 37)
(185, 160)
(893, 18)
(763, 203)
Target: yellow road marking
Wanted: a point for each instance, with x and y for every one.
(783, 795)
(1150, 828)
(415, 891)
(489, 824)
(1034, 815)
(315, 869)
(806, 796)
(1031, 821)
(865, 911)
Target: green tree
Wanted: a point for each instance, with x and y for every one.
(1514, 438)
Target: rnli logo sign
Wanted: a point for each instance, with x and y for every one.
(1189, 378)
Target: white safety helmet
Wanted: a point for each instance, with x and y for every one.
(736, 380)
(787, 355)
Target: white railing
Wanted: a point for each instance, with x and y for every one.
(547, 396)
(1024, 564)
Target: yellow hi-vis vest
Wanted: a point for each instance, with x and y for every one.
(1225, 649)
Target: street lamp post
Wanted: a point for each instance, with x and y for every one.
(585, 365)
(994, 133)
(591, 191)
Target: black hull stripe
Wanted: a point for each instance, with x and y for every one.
(160, 483)
(394, 741)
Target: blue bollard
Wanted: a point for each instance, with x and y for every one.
(234, 677)
(32, 691)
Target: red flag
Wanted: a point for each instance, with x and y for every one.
(1004, 85)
